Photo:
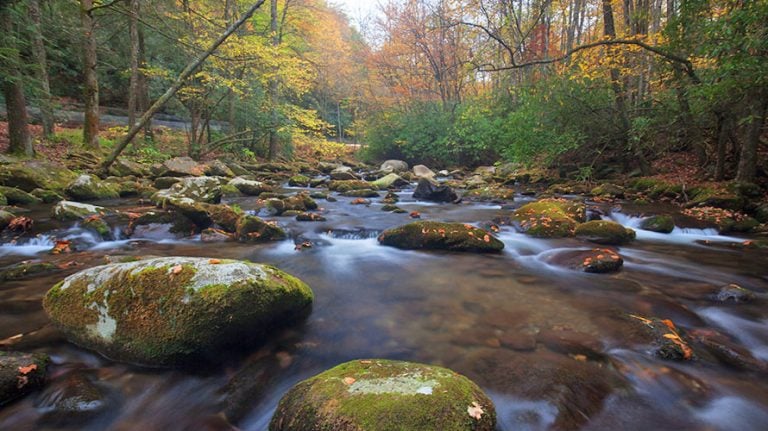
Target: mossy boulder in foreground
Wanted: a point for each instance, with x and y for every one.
(605, 232)
(378, 395)
(658, 223)
(163, 311)
(431, 235)
(550, 218)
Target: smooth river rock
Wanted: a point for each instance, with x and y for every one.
(163, 311)
(378, 395)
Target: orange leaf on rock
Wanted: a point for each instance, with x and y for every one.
(28, 369)
(349, 380)
(176, 269)
(214, 261)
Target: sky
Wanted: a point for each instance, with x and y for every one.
(357, 9)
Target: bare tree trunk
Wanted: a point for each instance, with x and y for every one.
(748, 156)
(38, 51)
(13, 90)
(90, 78)
(133, 87)
(143, 99)
(273, 87)
(177, 85)
(723, 133)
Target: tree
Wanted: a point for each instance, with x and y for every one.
(40, 56)
(133, 34)
(90, 77)
(13, 89)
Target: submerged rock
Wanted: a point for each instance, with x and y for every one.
(361, 193)
(431, 235)
(605, 232)
(428, 190)
(669, 342)
(598, 260)
(20, 373)
(550, 218)
(89, 188)
(165, 310)
(658, 223)
(734, 293)
(72, 399)
(378, 395)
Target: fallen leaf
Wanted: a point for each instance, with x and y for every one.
(214, 261)
(61, 246)
(366, 362)
(349, 380)
(176, 269)
(28, 369)
(475, 410)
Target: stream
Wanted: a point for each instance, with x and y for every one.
(551, 346)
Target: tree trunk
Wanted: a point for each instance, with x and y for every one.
(133, 86)
(723, 133)
(177, 85)
(90, 79)
(274, 144)
(748, 155)
(143, 99)
(16, 106)
(616, 86)
(38, 51)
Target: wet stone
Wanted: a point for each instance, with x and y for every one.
(71, 399)
(20, 373)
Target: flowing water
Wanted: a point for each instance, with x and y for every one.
(551, 346)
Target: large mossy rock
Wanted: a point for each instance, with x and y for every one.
(658, 223)
(383, 395)
(391, 180)
(36, 174)
(198, 189)
(428, 190)
(5, 219)
(167, 310)
(347, 185)
(605, 232)
(20, 373)
(596, 261)
(90, 188)
(68, 211)
(549, 218)
(125, 168)
(254, 229)
(430, 235)
(14, 196)
(250, 187)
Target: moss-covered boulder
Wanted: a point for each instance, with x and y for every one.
(431, 235)
(124, 168)
(68, 211)
(254, 229)
(167, 310)
(14, 196)
(21, 270)
(343, 173)
(658, 223)
(47, 196)
(299, 202)
(379, 395)
(165, 182)
(345, 186)
(299, 181)
(98, 226)
(550, 218)
(391, 180)
(605, 232)
(361, 193)
(35, 174)
(199, 189)
(20, 373)
(89, 188)
(608, 190)
(217, 168)
(250, 187)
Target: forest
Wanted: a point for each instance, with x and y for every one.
(293, 215)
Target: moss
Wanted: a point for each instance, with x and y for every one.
(156, 312)
(431, 235)
(47, 196)
(23, 270)
(5, 219)
(99, 226)
(608, 190)
(373, 395)
(33, 174)
(605, 232)
(361, 193)
(659, 223)
(14, 196)
(252, 228)
(3, 200)
(299, 181)
(490, 194)
(347, 185)
(228, 191)
(550, 218)
(20, 373)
